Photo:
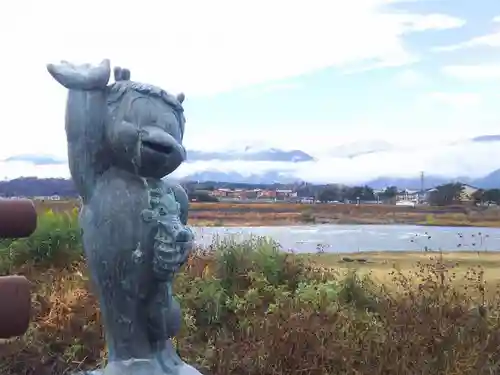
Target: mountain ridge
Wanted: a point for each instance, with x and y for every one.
(374, 161)
(271, 154)
(44, 187)
(35, 159)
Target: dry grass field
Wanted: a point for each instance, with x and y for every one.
(249, 308)
(266, 214)
(398, 314)
(460, 267)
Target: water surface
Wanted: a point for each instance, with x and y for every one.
(353, 238)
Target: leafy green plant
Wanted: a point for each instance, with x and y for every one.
(56, 240)
(257, 310)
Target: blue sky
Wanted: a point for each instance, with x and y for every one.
(411, 98)
(277, 73)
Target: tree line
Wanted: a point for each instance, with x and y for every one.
(442, 195)
(453, 193)
(336, 193)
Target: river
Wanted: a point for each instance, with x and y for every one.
(354, 238)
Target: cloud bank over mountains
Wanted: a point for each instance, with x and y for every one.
(366, 160)
(355, 162)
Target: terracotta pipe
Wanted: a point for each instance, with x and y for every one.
(15, 308)
(18, 219)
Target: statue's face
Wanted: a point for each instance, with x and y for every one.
(146, 136)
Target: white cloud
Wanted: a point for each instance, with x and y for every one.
(496, 19)
(456, 99)
(446, 158)
(452, 160)
(9, 170)
(280, 87)
(473, 72)
(199, 47)
(409, 78)
(433, 22)
(209, 46)
(258, 90)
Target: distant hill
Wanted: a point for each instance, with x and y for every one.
(251, 154)
(41, 187)
(33, 187)
(264, 163)
(269, 177)
(355, 149)
(415, 183)
(490, 181)
(283, 166)
(35, 159)
(246, 154)
(486, 138)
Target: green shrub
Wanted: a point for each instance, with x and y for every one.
(257, 310)
(56, 241)
(235, 260)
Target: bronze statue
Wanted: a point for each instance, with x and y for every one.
(123, 139)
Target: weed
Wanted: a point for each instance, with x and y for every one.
(307, 216)
(250, 308)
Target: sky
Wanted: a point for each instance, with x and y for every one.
(289, 74)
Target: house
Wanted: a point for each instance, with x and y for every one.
(406, 203)
(467, 194)
(407, 195)
(306, 200)
(222, 193)
(428, 193)
(284, 194)
(267, 194)
(253, 193)
(230, 193)
(48, 198)
(238, 194)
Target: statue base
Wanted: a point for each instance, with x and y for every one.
(166, 362)
(146, 367)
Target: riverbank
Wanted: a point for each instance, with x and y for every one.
(288, 214)
(461, 224)
(242, 222)
(251, 309)
(269, 214)
(381, 265)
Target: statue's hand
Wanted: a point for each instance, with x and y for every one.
(168, 261)
(81, 77)
(185, 236)
(185, 241)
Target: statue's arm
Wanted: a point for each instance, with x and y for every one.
(86, 112)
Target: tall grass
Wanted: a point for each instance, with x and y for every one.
(250, 308)
(55, 242)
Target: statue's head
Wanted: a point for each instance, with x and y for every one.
(145, 127)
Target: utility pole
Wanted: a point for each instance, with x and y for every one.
(422, 186)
